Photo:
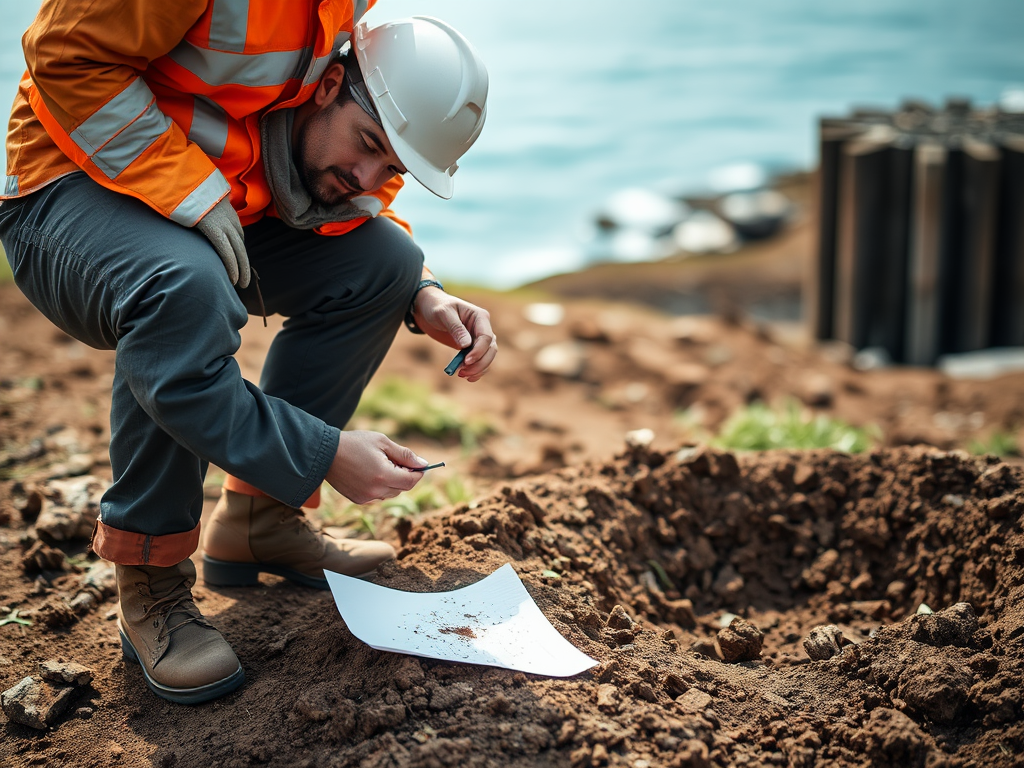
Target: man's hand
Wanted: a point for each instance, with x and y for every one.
(458, 324)
(224, 231)
(370, 467)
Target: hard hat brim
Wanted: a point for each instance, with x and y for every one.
(437, 181)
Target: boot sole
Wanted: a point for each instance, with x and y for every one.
(183, 695)
(219, 573)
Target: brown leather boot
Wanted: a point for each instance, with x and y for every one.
(247, 535)
(183, 657)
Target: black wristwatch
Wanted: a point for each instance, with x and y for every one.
(410, 321)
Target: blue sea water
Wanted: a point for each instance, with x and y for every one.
(590, 97)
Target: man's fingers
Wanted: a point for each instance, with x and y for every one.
(453, 324)
(485, 348)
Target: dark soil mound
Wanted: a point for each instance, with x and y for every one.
(663, 562)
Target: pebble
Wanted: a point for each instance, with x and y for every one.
(566, 359)
(639, 438)
(824, 642)
(542, 313)
(952, 626)
(619, 619)
(693, 701)
(740, 641)
(65, 672)
(35, 703)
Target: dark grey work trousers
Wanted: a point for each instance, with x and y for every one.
(109, 271)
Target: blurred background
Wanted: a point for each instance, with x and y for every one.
(592, 98)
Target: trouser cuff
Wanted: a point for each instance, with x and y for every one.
(128, 548)
(232, 483)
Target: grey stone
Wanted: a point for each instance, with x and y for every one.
(35, 703)
(694, 701)
(65, 672)
(824, 642)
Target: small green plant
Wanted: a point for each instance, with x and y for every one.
(370, 519)
(399, 407)
(758, 427)
(14, 618)
(6, 275)
(999, 443)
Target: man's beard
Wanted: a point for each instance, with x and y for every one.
(317, 180)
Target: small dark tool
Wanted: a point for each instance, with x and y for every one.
(457, 361)
(429, 466)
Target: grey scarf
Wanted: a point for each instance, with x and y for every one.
(294, 205)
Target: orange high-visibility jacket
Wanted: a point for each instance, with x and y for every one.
(161, 100)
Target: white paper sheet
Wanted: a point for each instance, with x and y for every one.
(493, 622)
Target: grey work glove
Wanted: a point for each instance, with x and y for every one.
(224, 231)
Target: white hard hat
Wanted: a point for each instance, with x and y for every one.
(430, 89)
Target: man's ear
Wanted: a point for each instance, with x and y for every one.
(331, 81)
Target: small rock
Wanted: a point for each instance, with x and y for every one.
(740, 641)
(674, 685)
(65, 672)
(640, 438)
(79, 464)
(35, 703)
(101, 576)
(619, 619)
(693, 701)
(542, 313)
(952, 626)
(56, 524)
(566, 359)
(83, 603)
(824, 642)
(728, 583)
(681, 612)
(41, 557)
(608, 698)
(623, 636)
(84, 712)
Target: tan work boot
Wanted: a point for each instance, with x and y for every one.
(247, 535)
(183, 657)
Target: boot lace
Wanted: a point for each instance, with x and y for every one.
(179, 601)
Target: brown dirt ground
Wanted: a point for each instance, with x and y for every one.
(681, 541)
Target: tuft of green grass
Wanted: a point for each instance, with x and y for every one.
(6, 275)
(399, 407)
(759, 427)
(371, 519)
(999, 443)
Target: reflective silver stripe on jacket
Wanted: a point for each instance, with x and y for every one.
(11, 185)
(201, 199)
(118, 153)
(359, 10)
(209, 126)
(255, 70)
(319, 64)
(229, 24)
(112, 117)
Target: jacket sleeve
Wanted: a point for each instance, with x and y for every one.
(85, 60)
